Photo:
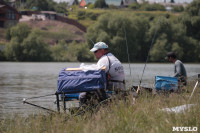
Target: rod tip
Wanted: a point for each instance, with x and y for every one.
(24, 100)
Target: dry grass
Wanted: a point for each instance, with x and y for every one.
(52, 31)
(119, 116)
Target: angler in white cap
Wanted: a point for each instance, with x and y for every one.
(114, 68)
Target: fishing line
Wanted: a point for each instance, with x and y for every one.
(10, 102)
(41, 96)
(91, 40)
(127, 50)
(148, 55)
(18, 101)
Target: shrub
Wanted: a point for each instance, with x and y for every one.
(178, 8)
(81, 15)
(134, 6)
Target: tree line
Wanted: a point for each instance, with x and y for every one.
(179, 34)
(120, 31)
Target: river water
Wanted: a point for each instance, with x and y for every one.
(27, 80)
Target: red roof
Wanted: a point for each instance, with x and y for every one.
(83, 3)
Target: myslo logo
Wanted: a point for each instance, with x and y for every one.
(192, 129)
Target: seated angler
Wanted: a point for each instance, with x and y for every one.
(114, 68)
(179, 69)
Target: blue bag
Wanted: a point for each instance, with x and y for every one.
(80, 81)
(166, 83)
(70, 97)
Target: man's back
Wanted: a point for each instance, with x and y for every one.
(113, 67)
(179, 69)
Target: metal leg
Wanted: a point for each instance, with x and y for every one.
(58, 104)
(64, 103)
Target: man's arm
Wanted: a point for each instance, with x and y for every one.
(104, 62)
(177, 68)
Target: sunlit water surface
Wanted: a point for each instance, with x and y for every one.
(27, 80)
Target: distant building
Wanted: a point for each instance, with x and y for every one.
(124, 3)
(49, 15)
(8, 15)
(82, 3)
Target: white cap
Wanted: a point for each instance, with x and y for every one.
(99, 45)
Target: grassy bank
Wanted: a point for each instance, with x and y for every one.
(85, 16)
(120, 116)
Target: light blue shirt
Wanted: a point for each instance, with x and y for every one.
(179, 69)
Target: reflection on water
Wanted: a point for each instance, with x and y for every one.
(26, 80)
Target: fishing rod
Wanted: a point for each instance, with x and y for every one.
(139, 86)
(127, 50)
(148, 55)
(198, 80)
(25, 102)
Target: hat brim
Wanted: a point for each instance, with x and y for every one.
(93, 49)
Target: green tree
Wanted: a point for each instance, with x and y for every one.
(13, 50)
(100, 4)
(171, 36)
(20, 31)
(26, 45)
(178, 8)
(114, 29)
(16, 35)
(191, 18)
(59, 51)
(159, 49)
(46, 5)
(81, 51)
(134, 6)
(61, 7)
(172, 1)
(152, 7)
(35, 49)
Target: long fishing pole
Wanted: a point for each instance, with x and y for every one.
(148, 55)
(127, 50)
(24, 101)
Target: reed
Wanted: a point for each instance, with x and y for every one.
(118, 116)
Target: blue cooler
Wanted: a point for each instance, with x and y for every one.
(166, 83)
(80, 81)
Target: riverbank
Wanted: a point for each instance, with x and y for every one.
(120, 116)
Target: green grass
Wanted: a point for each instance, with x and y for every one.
(124, 11)
(119, 116)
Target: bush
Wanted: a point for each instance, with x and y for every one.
(152, 7)
(35, 49)
(100, 4)
(81, 52)
(134, 6)
(178, 8)
(81, 15)
(91, 15)
(90, 6)
(59, 52)
(2, 56)
(112, 6)
(26, 45)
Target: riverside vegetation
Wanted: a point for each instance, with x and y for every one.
(118, 116)
(174, 32)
